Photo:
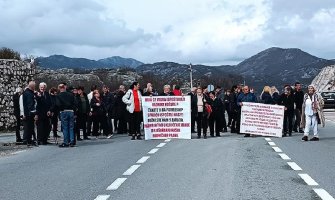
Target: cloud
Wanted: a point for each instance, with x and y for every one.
(197, 31)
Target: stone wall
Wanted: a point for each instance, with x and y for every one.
(13, 74)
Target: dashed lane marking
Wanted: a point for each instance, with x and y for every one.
(268, 139)
(277, 149)
(102, 197)
(152, 151)
(294, 166)
(272, 143)
(308, 179)
(167, 140)
(116, 184)
(284, 156)
(131, 170)
(143, 160)
(323, 194)
(161, 145)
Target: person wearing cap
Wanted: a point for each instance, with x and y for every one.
(312, 113)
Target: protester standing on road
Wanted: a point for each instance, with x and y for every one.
(198, 105)
(120, 111)
(167, 91)
(266, 97)
(83, 109)
(65, 101)
(98, 114)
(245, 96)
(193, 94)
(312, 113)
(287, 100)
(43, 114)
(16, 102)
(89, 120)
(29, 111)
(109, 103)
(233, 109)
(133, 100)
(55, 111)
(298, 100)
(216, 116)
(275, 94)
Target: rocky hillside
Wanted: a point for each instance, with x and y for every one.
(277, 66)
(60, 61)
(325, 80)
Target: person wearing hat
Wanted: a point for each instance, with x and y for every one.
(312, 113)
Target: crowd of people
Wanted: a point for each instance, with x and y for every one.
(103, 112)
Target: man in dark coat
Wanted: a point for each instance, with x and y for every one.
(16, 102)
(83, 110)
(109, 102)
(298, 100)
(29, 111)
(43, 114)
(120, 111)
(287, 100)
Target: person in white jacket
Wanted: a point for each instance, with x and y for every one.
(133, 99)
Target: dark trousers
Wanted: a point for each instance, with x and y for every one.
(81, 124)
(99, 122)
(238, 122)
(223, 121)
(297, 121)
(17, 128)
(28, 129)
(288, 122)
(233, 125)
(43, 129)
(193, 118)
(54, 124)
(89, 125)
(229, 119)
(135, 123)
(215, 120)
(201, 124)
(121, 124)
(110, 125)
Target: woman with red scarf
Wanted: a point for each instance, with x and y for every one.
(133, 101)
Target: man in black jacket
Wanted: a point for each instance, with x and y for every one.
(65, 101)
(16, 102)
(120, 111)
(82, 113)
(43, 114)
(298, 100)
(109, 102)
(29, 111)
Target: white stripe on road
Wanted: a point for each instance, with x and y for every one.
(131, 170)
(284, 156)
(143, 160)
(268, 139)
(294, 166)
(308, 179)
(116, 184)
(102, 197)
(272, 143)
(323, 194)
(152, 151)
(277, 149)
(167, 140)
(161, 145)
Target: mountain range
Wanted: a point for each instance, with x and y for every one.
(273, 66)
(61, 61)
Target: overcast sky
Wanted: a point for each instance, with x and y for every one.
(197, 31)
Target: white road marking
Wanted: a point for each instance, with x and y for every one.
(102, 197)
(294, 166)
(308, 179)
(323, 194)
(272, 143)
(131, 170)
(284, 156)
(152, 151)
(277, 149)
(17, 152)
(268, 139)
(143, 160)
(161, 145)
(167, 140)
(116, 184)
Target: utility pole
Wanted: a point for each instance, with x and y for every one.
(191, 76)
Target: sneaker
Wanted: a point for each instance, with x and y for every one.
(247, 135)
(133, 137)
(139, 137)
(305, 138)
(109, 136)
(63, 145)
(315, 139)
(79, 139)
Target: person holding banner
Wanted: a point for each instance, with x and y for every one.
(245, 96)
(133, 100)
(312, 113)
(198, 104)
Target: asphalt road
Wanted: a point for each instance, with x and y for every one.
(229, 167)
